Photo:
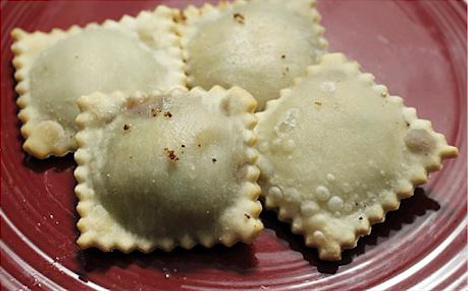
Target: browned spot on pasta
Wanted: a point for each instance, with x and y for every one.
(419, 141)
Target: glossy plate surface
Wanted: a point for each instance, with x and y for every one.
(418, 49)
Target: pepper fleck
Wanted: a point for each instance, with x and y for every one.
(155, 112)
(126, 127)
(247, 215)
(283, 57)
(171, 154)
(239, 18)
(214, 160)
(167, 114)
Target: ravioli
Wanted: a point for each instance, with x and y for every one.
(338, 152)
(161, 170)
(54, 69)
(259, 45)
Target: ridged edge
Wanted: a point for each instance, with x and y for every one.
(99, 109)
(191, 16)
(26, 48)
(330, 249)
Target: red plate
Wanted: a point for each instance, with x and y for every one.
(416, 48)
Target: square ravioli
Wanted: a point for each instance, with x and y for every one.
(259, 45)
(338, 152)
(54, 69)
(161, 170)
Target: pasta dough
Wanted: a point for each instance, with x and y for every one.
(54, 69)
(260, 45)
(337, 153)
(162, 170)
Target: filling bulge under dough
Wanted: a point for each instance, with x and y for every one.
(338, 152)
(260, 46)
(54, 69)
(158, 171)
